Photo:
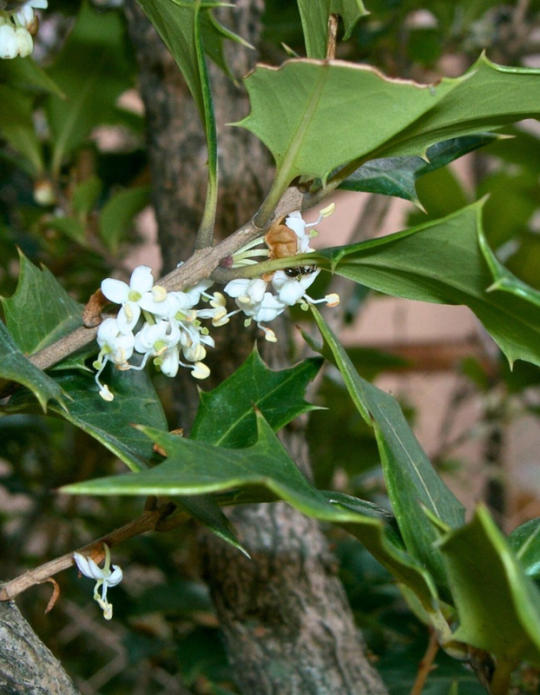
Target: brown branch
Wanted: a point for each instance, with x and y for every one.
(426, 665)
(150, 520)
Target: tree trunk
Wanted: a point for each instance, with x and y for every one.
(27, 667)
(284, 614)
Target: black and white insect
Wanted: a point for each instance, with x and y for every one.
(300, 271)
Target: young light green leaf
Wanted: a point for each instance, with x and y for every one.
(118, 212)
(315, 116)
(85, 196)
(315, 14)
(492, 96)
(397, 176)
(92, 70)
(15, 367)
(226, 415)
(442, 262)
(411, 481)
(41, 311)
(525, 543)
(17, 126)
(498, 605)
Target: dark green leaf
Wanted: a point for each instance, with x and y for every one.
(15, 367)
(17, 126)
(397, 176)
(25, 73)
(411, 481)
(117, 214)
(41, 311)
(92, 70)
(226, 415)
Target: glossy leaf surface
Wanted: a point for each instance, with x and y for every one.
(442, 262)
(412, 482)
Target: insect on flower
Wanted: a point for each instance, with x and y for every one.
(283, 242)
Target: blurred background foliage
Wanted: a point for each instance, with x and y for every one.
(73, 177)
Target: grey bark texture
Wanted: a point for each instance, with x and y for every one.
(287, 624)
(27, 667)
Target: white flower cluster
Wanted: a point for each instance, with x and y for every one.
(104, 578)
(17, 29)
(172, 330)
(172, 333)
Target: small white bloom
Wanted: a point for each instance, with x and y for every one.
(104, 578)
(9, 47)
(129, 296)
(116, 347)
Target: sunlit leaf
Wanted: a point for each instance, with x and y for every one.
(492, 96)
(315, 116)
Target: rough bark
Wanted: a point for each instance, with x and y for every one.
(286, 620)
(27, 667)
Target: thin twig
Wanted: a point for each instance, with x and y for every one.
(332, 36)
(149, 520)
(426, 665)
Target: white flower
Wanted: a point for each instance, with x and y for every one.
(116, 347)
(9, 46)
(246, 291)
(16, 29)
(104, 578)
(130, 296)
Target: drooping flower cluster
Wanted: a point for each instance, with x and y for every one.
(18, 27)
(104, 578)
(166, 327)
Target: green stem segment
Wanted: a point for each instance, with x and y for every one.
(205, 234)
(500, 683)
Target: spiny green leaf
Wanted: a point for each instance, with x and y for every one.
(194, 468)
(498, 605)
(412, 482)
(315, 116)
(226, 415)
(397, 176)
(442, 262)
(15, 367)
(41, 311)
(111, 423)
(492, 96)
